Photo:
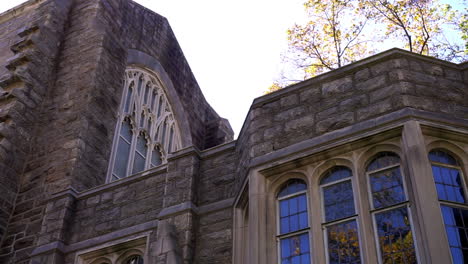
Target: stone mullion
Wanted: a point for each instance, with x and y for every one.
(429, 225)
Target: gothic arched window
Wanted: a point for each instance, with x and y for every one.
(146, 130)
(340, 216)
(450, 191)
(390, 210)
(293, 223)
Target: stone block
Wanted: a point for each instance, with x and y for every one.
(336, 122)
(337, 87)
(371, 84)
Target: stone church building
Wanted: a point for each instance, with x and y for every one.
(110, 154)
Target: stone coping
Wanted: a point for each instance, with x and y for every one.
(18, 10)
(344, 71)
(128, 232)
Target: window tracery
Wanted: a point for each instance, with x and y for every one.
(147, 129)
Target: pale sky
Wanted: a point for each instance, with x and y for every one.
(232, 47)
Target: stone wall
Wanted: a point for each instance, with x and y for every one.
(29, 49)
(346, 97)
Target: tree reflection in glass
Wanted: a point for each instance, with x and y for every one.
(338, 205)
(293, 223)
(391, 213)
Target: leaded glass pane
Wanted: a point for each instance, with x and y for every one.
(338, 201)
(138, 164)
(153, 100)
(126, 131)
(343, 243)
(295, 249)
(121, 158)
(147, 89)
(141, 145)
(160, 106)
(387, 188)
(442, 157)
(456, 226)
(164, 128)
(335, 174)
(156, 158)
(128, 99)
(292, 186)
(382, 160)
(142, 119)
(293, 214)
(171, 139)
(140, 83)
(395, 236)
(448, 184)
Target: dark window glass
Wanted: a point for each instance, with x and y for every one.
(160, 106)
(171, 139)
(147, 89)
(448, 184)
(335, 174)
(448, 180)
(387, 188)
(293, 214)
(135, 260)
(123, 150)
(129, 98)
(338, 200)
(442, 157)
(343, 243)
(456, 225)
(153, 100)
(292, 186)
(293, 217)
(140, 155)
(295, 249)
(382, 160)
(164, 128)
(156, 157)
(121, 159)
(395, 236)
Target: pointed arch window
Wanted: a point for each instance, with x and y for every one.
(340, 219)
(146, 129)
(390, 210)
(293, 223)
(450, 186)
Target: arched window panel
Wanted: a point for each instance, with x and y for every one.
(293, 222)
(447, 177)
(340, 219)
(145, 101)
(337, 193)
(140, 154)
(156, 157)
(449, 183)
(385, 180)
(391, 215)
(123, 150)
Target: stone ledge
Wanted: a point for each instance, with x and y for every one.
(59, 246)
